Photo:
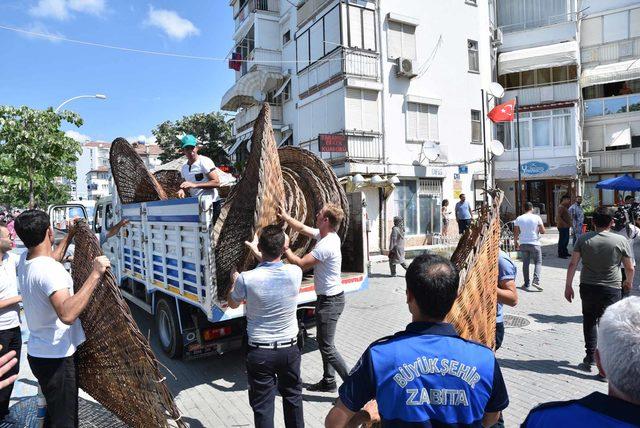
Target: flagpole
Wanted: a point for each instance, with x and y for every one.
(519, 192)
(484, 146)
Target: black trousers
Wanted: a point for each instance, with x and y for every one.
(595, 299)
(59, 383)
(392, 267)
(271, 369)
(499, 334)
(563, 241)
(328, 311)
(463, 225)
(11, 340)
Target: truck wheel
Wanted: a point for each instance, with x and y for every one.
(168, 329)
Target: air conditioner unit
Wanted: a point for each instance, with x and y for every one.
(496, 37)
(405, 68)
(587, 166)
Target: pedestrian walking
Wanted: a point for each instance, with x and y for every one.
(631, 233)
(10, 335)
(273, 359)
(425, 375)
(396, 245)
(563, 221)
(444, 212)
(602, 252)
(463, 214)
(52, 310)
(617, 358)
(577, 218)
(326, 261)
(526, 234)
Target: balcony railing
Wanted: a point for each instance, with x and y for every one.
(545, 22)
(245, 118)
(541, 94)
(265, 58)
(611, 52)
(599, 107)
(361, 148)
(615, 160)
(253, 6)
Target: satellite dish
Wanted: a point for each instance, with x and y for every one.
(431, 153)
(496, 89)
(496, 148)
(259, 96)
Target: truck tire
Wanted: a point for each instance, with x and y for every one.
(168, 328)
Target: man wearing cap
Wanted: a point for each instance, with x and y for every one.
(199, 173)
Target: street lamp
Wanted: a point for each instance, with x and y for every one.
(98, 96)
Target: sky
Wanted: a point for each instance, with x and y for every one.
(142, 90)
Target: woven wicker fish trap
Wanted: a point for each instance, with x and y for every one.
(476, 257)
(133, 181)
(170, 180)
(252, 204)
(115, 364)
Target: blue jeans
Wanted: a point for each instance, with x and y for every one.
(530, 252)
(563, 242)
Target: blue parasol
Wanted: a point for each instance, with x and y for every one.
(624, 182)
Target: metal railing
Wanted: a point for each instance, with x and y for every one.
(360, 63)
(530, 24)
(366, 148)
(620, 50)
(599, 107)
(253, 6)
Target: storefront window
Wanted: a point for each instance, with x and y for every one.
(429, 214)
(418, 201)
(406, 206)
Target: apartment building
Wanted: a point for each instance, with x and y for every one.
(387, 92)
(538, 62)
(610, 81)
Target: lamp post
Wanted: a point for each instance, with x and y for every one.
(98, 96)
(494, 91)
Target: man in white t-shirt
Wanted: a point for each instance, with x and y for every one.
(632, 234)
(326, 261)
(10, 336)
(526, 234)
(52, 310)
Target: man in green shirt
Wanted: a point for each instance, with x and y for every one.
(601, 283)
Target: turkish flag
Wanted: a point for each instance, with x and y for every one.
(502, 112)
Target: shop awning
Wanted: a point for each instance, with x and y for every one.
(607, 73)
(556, 55)
(250, 89)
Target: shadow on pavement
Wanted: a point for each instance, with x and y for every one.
(553, 367)
(318, 398)
(557, 319)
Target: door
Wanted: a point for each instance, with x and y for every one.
(557, 190)
(111, 247)
(373, 218)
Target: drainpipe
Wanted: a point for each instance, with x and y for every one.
(383, 206)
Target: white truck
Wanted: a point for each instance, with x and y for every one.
(160, 260)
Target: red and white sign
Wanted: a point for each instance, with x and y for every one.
(332, 143)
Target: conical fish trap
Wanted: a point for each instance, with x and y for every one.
(476, 257)
(133, 181)
(170, 181)
(115, 364)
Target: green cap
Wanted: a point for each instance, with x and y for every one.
(189, 141)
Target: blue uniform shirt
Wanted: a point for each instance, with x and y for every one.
(427, 376)
(594, 410)
(506, 270)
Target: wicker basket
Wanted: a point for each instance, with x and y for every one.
(170, 180)
(115, 364)
(133, 181)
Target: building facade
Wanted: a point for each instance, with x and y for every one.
(610, 81)
(392, 87)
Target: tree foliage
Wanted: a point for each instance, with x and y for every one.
(210, 129)
(35, 155)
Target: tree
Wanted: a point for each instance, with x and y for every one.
(210, 129)
(34, 154)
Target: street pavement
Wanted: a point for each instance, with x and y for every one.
(539, 360)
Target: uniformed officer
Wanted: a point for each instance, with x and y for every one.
(426, 375)
(617, 358)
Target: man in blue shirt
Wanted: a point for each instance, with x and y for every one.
(617, 358)
(463, 214)
(273, 359)
(507, 293)
(426, 375)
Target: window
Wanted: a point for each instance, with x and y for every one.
(503, 134)
(406, 206)
(518, 15)
(544, 128)
(422, 122)
(362, 110)
(286, 37)
(286, 92)
(476, 127)
(418, 202)
(401, 39)
(539, 77)
(322, 38)
(474, 63)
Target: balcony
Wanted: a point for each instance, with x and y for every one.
(618, 51)
(343, 62)
(254, 83)
(615, 160)
(251, 6)
(600, 107)
(360, 148)
(309, 9)
(545, 94)
(246, 117)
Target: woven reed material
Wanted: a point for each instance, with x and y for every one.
(476, 257)
(170, 180)
(133, 181)
(115, 364)
(252, 204)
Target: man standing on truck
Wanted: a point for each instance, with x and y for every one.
(52, 310)
(326, 261)
(271, 294)
(200, 175)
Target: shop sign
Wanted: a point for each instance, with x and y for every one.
(534, 168)
(332, 143)
(435, 172)
(463, 169)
